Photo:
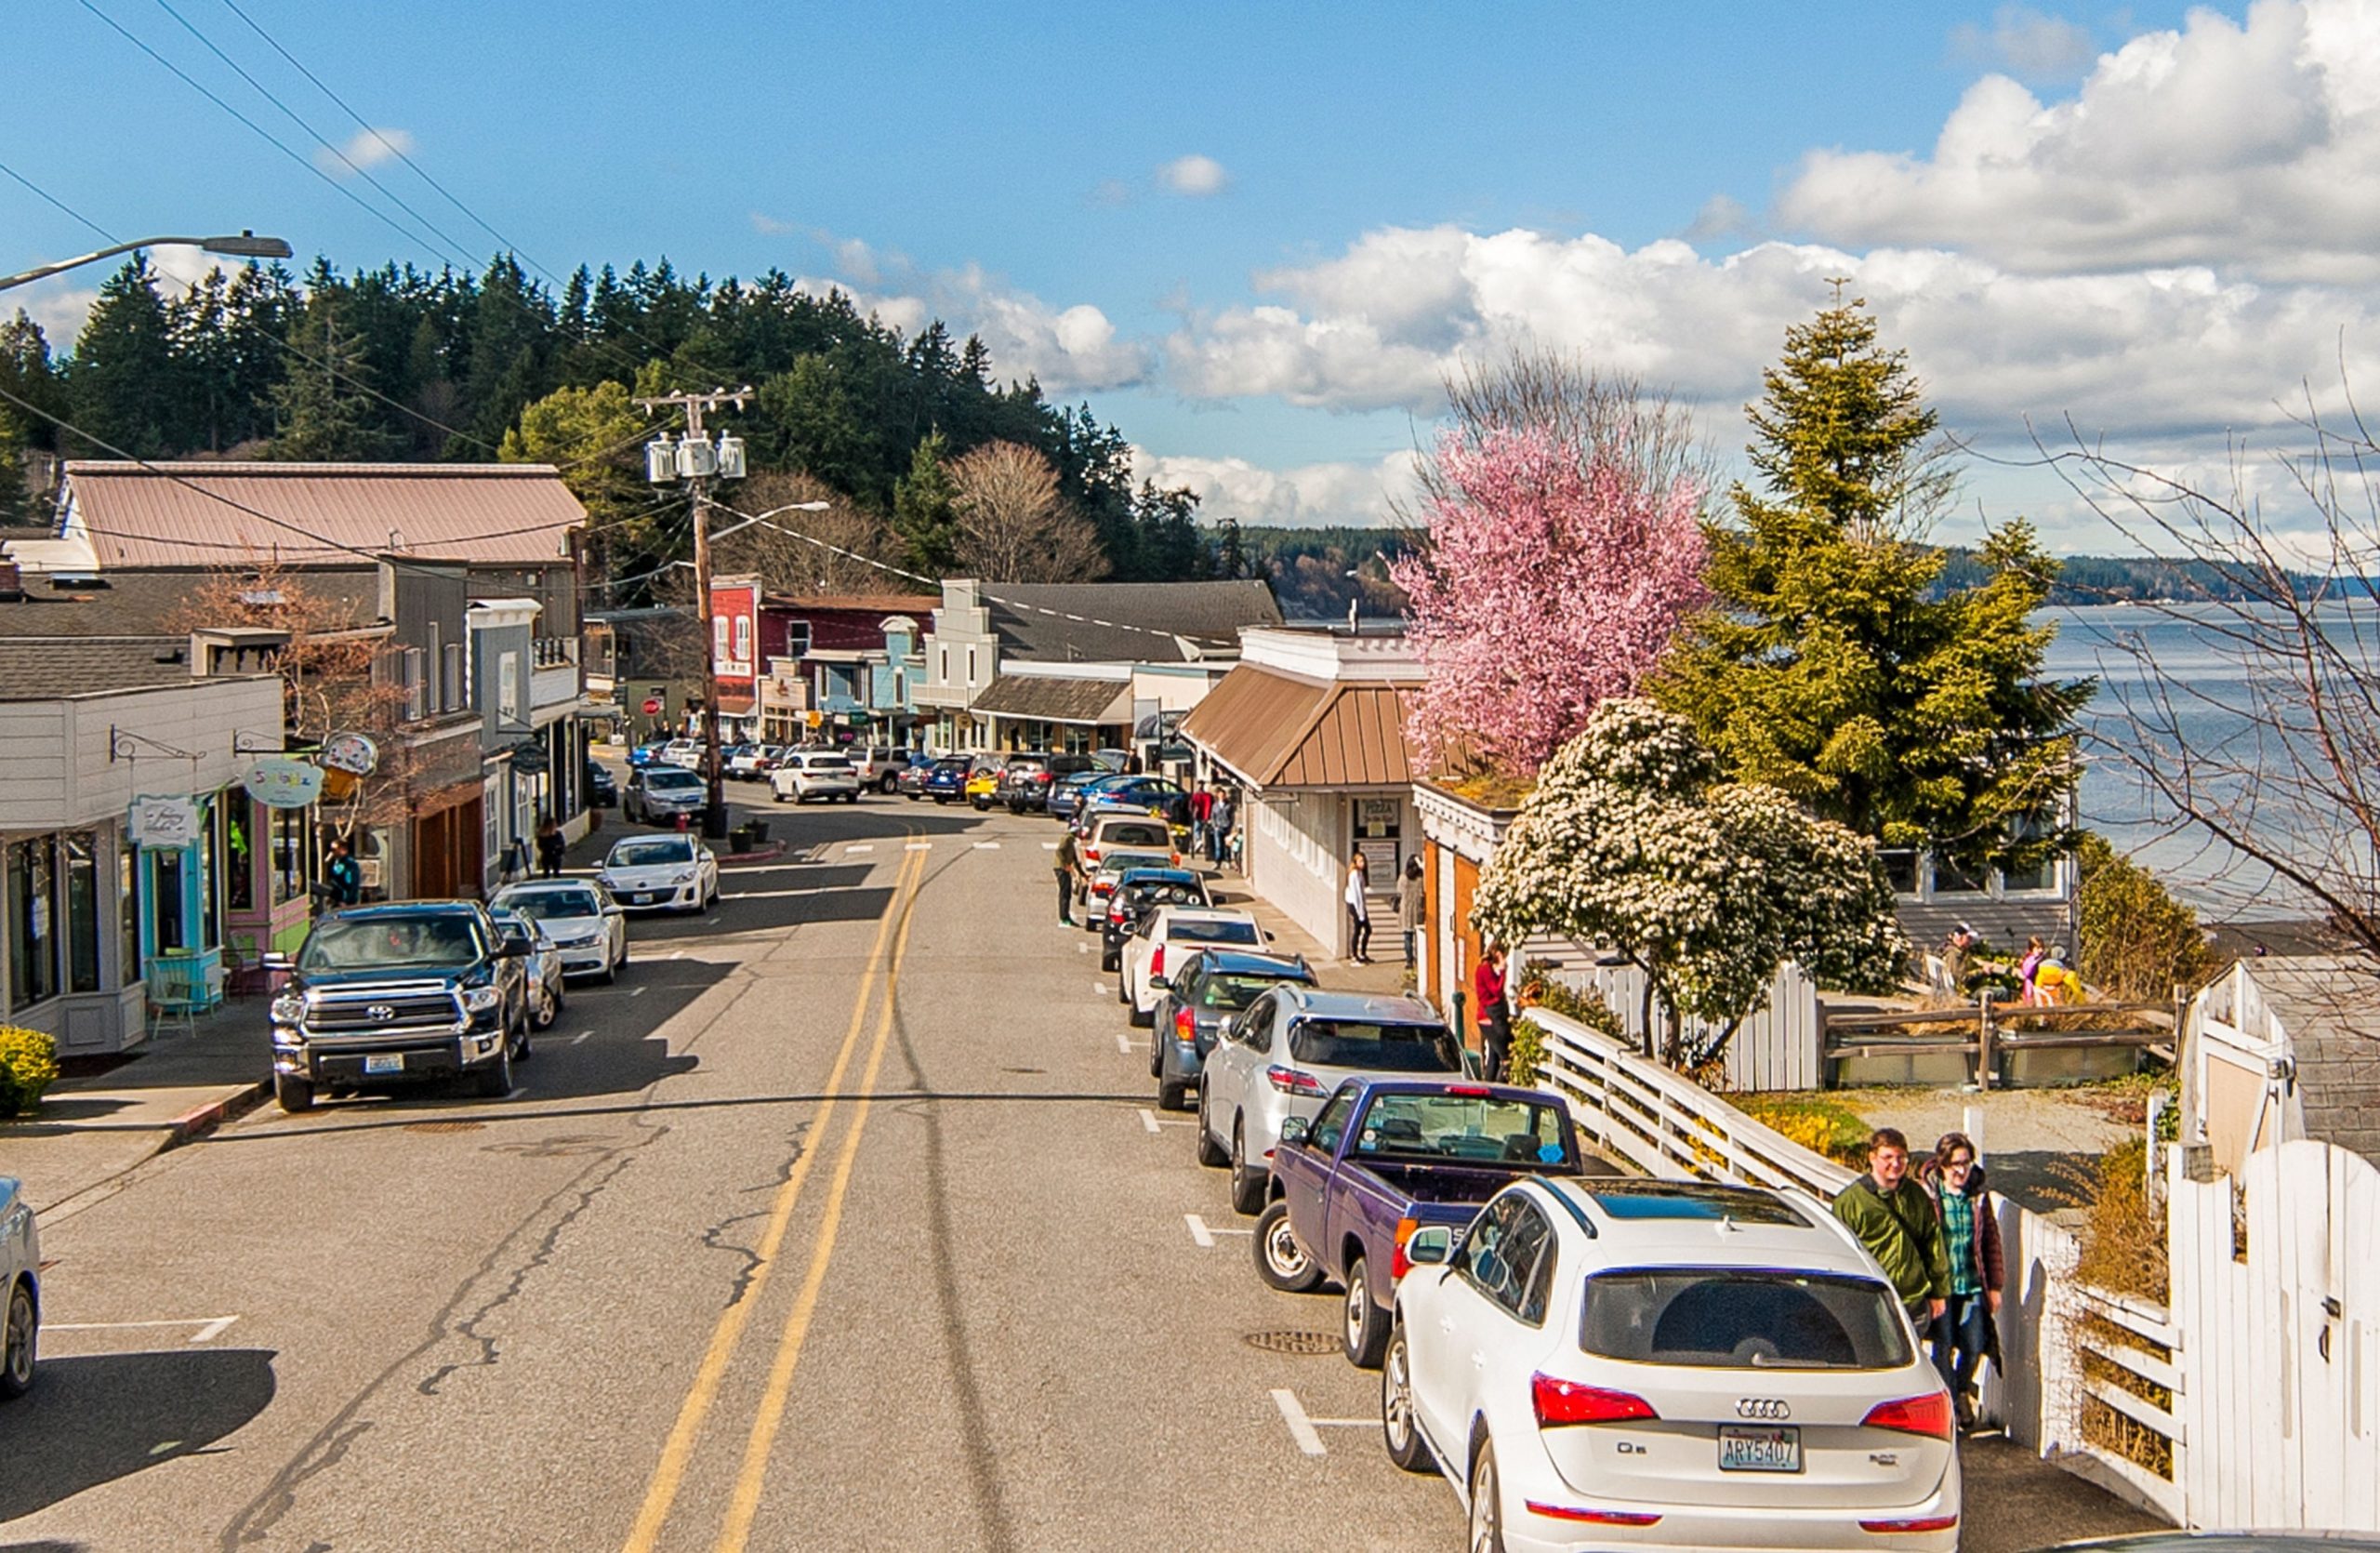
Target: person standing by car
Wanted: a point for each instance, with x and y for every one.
(344, 874)
(1359, 911)
(1494, 1011)
(550, 845)
(1202, 809)
(1965, 1334)
(1412, 907)
(1895, 1219)
(1068, 862)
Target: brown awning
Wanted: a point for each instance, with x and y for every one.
(1050, 698)
(1276, 730)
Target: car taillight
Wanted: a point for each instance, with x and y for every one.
(1597, 1518)
(1467, 1091)
(1157, 960)
(1567, 1402)
(1929, 1415)
(1398, 1263)
(1921, 1524)
(1289, 1080)
(1090, 855)
(1185, 1025)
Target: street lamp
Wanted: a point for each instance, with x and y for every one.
(247, 245)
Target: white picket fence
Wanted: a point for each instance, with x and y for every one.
(1781, 1047)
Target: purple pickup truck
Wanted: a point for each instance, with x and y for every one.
(1383, 1158)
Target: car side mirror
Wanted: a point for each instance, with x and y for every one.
(1432, 1247)
(512, 948)
(1293, 1130)
(1160, 984)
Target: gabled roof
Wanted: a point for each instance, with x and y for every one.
(146, 605)
(212, 514)
(1121, 622)
(2329, 1006)
(1278, 730)
(41, 670)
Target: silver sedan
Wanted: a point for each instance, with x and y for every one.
(583, 920)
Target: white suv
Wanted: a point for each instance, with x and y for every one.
(802, 774)
(1172, 934)
(1667, 1363)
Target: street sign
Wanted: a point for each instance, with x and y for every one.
(530, 759)
(653, 706)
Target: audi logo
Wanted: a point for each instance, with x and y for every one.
(1762, 1407)
(383, 1012)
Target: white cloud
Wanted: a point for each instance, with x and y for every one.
(2251, 147)
(365, 149)
(769, 226)
(1306, 496)
(1721, 216)
(1194, 174)
(2027, 45)
(1068, 348)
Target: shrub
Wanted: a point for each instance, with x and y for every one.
(1537, 988)
(2138, 942)
(28, 1066)
(1818, 1122)
(2123, 1238)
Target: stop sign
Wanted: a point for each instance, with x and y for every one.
(652, 706)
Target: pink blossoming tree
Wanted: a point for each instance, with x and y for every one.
(1555, 572)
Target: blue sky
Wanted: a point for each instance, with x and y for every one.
(1254, 235)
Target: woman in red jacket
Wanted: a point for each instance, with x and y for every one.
(1494, 1017)
(1965, 1334)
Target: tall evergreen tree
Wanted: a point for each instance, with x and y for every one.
(321, 410)
(124, 384)
(924, 510)
(1833, 666)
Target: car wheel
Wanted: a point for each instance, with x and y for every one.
(1142, 1018)
(888, 785)
(1171, 1096)
(775, 797)
(1487, 1503)
(1247, 1188)
(493, 1079)
(1156, 1061)
(19, 1342)
(547, 1010)
(611, 972)
(1280, 1261)
(292, 1094)
(1397, 1429)
(1365, 1329)
(1110, 961)
(1211, 1153)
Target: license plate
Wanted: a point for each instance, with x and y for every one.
(643, 898)
(392, 1062)
(1777, 1450)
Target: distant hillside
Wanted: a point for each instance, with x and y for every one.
(1316, 571)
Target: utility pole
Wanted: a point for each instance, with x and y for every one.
(695, 460)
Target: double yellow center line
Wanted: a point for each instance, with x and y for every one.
(677, 1452)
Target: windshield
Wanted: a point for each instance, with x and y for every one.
(544, 905)
(375, 943)
(1734, 1318)
(652, 854)
(671, 776)
(1234, 993)
(1193, 931)
(1445, 1127)
(1374, 1047)
(827, 763)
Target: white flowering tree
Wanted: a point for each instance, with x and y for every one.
(1631, 843)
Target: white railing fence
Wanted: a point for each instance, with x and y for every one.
(1781, 1047)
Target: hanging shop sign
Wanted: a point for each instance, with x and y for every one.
(282, 782)
(352, 753)
(529, 758)
(165, 821)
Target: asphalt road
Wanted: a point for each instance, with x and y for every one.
(840, 1223)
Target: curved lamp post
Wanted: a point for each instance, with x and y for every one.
(247, 245)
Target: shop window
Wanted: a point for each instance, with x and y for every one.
(210, 884)
(171, 865)
(127, 913)
(289, 870)
(80, 858)
(32, 924)
(240, 883)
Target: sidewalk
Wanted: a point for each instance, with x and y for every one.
(1385, 973)
(89, 1130)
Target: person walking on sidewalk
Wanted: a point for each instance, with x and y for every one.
(1895, 1219)
(1202, 809)
(1965, 1334)
(344, 874)
(1359, 911)
(1219, 821)
(1495, 1011)
(549, 846)
(1412, 907)
(1068, 862)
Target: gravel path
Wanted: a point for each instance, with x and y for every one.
(2029, 1137)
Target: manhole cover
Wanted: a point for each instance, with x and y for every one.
(1315, 1342)
(444, 1126)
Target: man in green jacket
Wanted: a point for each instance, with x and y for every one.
(1895, 1221)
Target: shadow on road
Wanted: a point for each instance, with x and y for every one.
(92, 1420)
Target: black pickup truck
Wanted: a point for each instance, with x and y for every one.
(398, 993)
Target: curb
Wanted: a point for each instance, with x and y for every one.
(196, 1123)
(768, 854)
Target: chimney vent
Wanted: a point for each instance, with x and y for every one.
(12, 582)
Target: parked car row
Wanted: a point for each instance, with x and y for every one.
(1589, 1360)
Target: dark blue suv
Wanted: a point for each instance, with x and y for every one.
(947, 781)
(1193, 1002)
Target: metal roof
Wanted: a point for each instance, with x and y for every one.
(1279, 731)
(169, 514)
(1124, 622)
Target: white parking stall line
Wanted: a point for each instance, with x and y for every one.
(1125, 1043)
(987, 846)
(580, 1037)
(779, 895)
(209, 1327)
(1157, 1123)
(635, 991)
(1082, 949)
(861, 846)
(677, 954)
(918, 846)
(1301, 1426)
(1099, 989)
(1203, 1234)
(1048, 846)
